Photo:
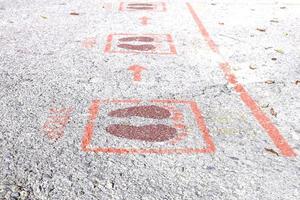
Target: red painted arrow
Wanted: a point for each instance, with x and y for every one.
(136, 69)
(144, 20)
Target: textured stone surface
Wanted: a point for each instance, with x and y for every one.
(52, 57)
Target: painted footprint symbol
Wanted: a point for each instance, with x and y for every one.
(148, 133)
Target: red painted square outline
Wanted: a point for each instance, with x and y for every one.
(93, 113)
(108, 46)
(162, 4)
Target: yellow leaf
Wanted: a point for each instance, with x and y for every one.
(279, 51)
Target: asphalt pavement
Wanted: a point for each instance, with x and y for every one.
(149, 100)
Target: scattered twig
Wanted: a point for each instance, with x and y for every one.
(269, 81)
(272, 151)
(261, 29)
(74, 13)
(274, 21)
(230, 37)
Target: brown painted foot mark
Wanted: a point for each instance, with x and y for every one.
(138, 39)
(154, 112)
(148, 133)
(142, 47)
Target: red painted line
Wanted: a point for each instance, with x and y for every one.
(203, 30)
(170, 101)
(89, 128)
(151, 151)
(125, 101)
(140, 52)
(263, 120)
(108, 43)
(171, 44)
(164, 6)
(202, 126)
(178, 123)
(121, 8)
(145, 34)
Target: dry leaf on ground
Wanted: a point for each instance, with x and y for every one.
(272, 111)
(279, 51)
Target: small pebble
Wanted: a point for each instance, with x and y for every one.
(210, 168)
(15, 195)
(233, 158)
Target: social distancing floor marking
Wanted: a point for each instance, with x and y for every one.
(147, 6)
(173, 133)
(184, 129)
(140, 43)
